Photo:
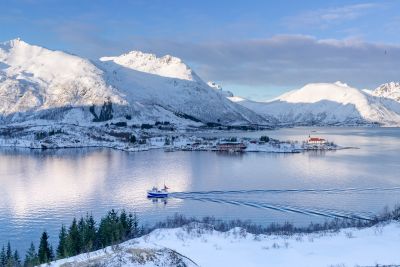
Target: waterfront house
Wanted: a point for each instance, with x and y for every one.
(231, 146)
(316, 141)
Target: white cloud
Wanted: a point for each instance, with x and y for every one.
(291, 60)
(279, 61)
(322, 18)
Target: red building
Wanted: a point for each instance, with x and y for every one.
(316, 140)
(231, 146)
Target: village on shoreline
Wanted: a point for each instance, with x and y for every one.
(149, 138)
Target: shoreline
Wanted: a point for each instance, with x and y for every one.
(137, 140)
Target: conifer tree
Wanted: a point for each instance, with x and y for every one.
(124, 225)
(44, 253)
(31, 257)
(135, 225)
(106, 111)
(89, 235)
(109, 231)
(74, 239)
(3, 257)
(62, 244)
(9, 252)
(16, 259)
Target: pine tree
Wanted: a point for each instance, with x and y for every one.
(3, 257)
(17, 259)
(31, 257)
(44, 253)
(135, 226)
(81, 230)
(62, 244)
(109, 229)
(124, 225)
(89, 235)
(106, 111)
(74, 239)
(51, 253)
(8, 254)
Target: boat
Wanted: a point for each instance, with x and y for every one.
(158, 193)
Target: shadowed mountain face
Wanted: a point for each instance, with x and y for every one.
(36, 82)
(328, 104)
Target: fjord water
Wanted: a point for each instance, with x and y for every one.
(40, 190)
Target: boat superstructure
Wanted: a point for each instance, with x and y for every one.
(158, 193)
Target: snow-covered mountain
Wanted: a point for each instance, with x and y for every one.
(36, 82)
(389, 90)
(166, 66)
(219, 89)
(37, 79)
(327, 104)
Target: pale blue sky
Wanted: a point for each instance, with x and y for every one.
(257, 49)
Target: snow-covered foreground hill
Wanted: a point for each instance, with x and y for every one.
(328, 104)
(199, 245)
(38, 83)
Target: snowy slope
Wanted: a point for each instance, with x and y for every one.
(166, 66)
(389, 90)
(328, 104)
(34, 78)
(36, 82)
(206, 247)
(174, 87)
(219, 89)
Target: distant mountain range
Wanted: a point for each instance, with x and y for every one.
(41, 84)
(331, 104)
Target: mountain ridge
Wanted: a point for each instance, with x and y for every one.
(328, 104)
(39, 83)
(36, 80)
(388, 90)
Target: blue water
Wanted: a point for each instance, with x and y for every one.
(40, 190)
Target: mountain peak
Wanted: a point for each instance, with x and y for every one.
(388, 90)
(390, 86)
(339, 83)
(219, 89)
(315, 92)
(13, 43)
(166, 66)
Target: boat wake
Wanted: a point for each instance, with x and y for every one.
(228, 197)
(329, 190)
(287, 208)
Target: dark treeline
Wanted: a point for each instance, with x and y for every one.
(8, 257)
(82, 235)
(85, 235)
(274, 228)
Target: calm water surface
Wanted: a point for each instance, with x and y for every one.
(42, 189)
